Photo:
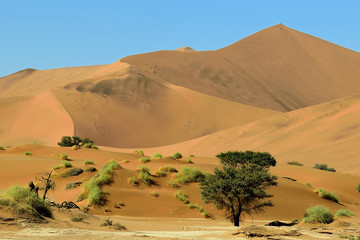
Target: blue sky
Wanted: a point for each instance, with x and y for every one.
(52, 33)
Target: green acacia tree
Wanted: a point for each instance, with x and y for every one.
(240, 186)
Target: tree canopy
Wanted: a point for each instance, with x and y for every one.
(240, 186)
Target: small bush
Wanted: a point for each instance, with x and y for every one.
(67, 141)
(344, 213)
(139, 152)
(89, 162)
(78, 218)
(324, 167)
(177, 155)
(189, 175)
(55, 167)
(25, 203)
(66, 164)
(125, 161)
(173, 184)
(295, 163)
(295, 220)
(118, 226)
(358, 188)
(318, 214)
(163, 171)
(2, 148)
(326, 195)
(90, 169)
(73, 172)
(189, 161)
(72, 185)
(27, 153)
(308, 184)
(181, 196)
(144, 160)
(133, 181)
(107, 222)
(156, 156)
(63, 156)
(155, 194)
(75, 147)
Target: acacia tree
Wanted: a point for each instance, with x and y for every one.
(240, 186)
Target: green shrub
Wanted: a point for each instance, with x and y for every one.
(125, 161)
(157, 156)
(55, 167)
(318, 214)
(63, 156)
(90, 169)
(67, 141)
(173, 184)
(75, 147)
(73, 172)
(181, 196)
(295, 220)
(155, 194)
(324, 167)
(25, 203)
(89, 162)
(78, 218)
(27, 153)
(107, 222)
(72, 185)
(87, 145)
(2, 148)
(177, 155)
(118, 226)
(308, 184)
(132, 180)
(66, 164)
(163, 171)
(189, 175)
(344, 213)
(139, 152)
(326, 195)
(358, 188)
(144, 160)
(295, 163)
(189, 161)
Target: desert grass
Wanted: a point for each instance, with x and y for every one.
(326, 195)
(318, 214)
(189, 175)
(344, 213)
(89, 162)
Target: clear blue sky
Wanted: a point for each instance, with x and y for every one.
(45, 34)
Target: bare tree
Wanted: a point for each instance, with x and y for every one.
(46, 182)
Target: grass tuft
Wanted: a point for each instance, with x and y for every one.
(156, 156)
(326, 195)
(89, 162)
(295, 163)
(318, 214)
(189, 175)
(144, 160)
(344, 213)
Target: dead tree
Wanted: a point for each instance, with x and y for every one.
(46, 182)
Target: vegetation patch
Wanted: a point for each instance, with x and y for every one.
(163, 171)
(73, 172)
(27, 153)
(22, 201)
(156, 156)
(89, 162)
(318, 214)
(67, 141)
(90, 169)
(145, 176)
(326, 195)
(78, 218)
(184, 199)
(344, 213)
(144, 160)
(295, 163)
(125, 161)
(189, 175)
(133, 181)
(324, 167)
(139, 152)
(63, 156)
(358, 188)
(177, 155)
(2, 148)
(189, 161)
(173, 184)
(72, 185)
(92, 189)
(66, 164)
(155, 194)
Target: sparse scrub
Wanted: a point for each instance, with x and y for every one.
(55, 167)
(295, 163)
(324, 167)
(308, 184)
(177, 155)
(125, 161)
(295, 220)
(63, 156)
(156, 156)
(89, 162)
(344, 213)
(75, 147)
(66, 164)
(21, 201)
(107, 222)
(144, 160)
(163, 171)
(181, 196)
(78, 218)
(173, 184)
(133, 181)
(72, 185)
(67, 141)
(189, 175)
(326, 195)
(155, 194)
(318, 214)
(358, 188)
(90, 169)
(73, 172)
(118, 226)
(139, 152)
(2, 148)
(27, 153)
(189, 161)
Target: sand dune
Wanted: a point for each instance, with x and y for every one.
(326, 133)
